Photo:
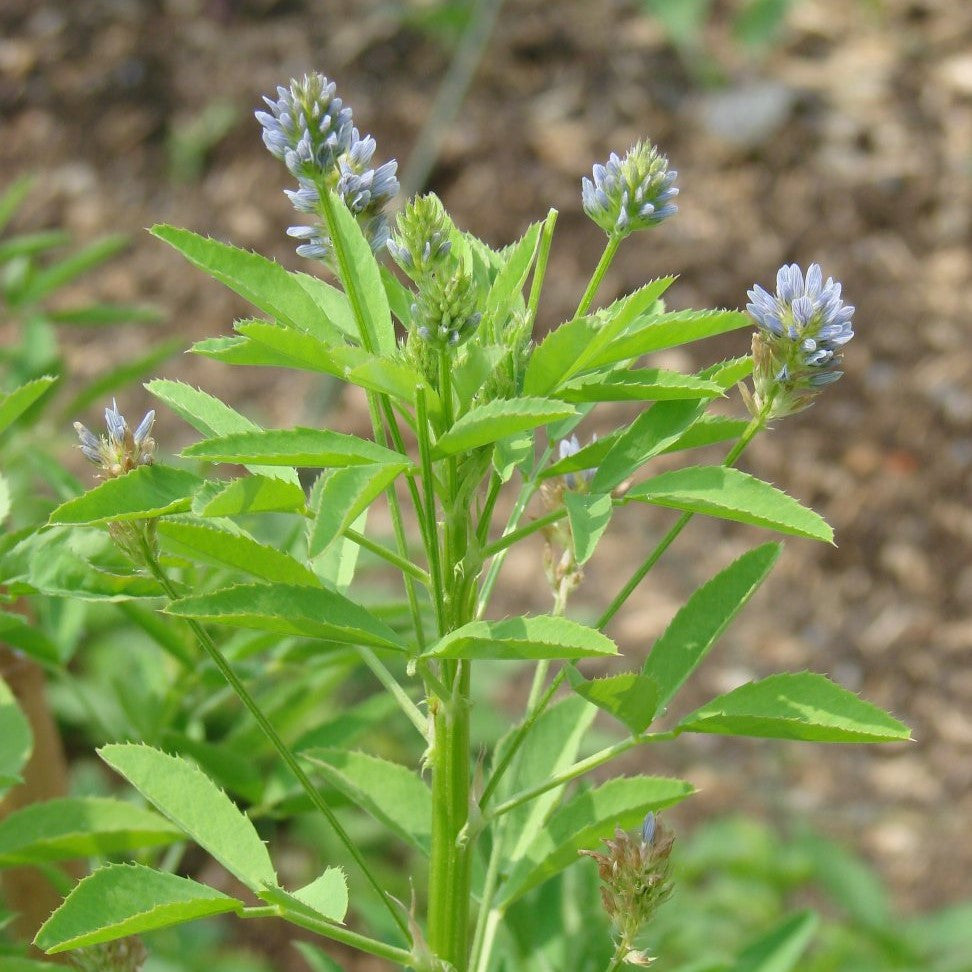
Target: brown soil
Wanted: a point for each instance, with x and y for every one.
(850, 144)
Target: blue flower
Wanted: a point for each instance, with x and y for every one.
(800, 336)
(312, 131)
(121, 450)
(631, 193)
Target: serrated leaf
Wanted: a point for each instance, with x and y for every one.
(127, 899)
(499, 419)
(662, 331)
(730, 372)
(360, 276)
(229, 768)
(575, 346)
(14, 404)
(320, 448)
(631, 698)
(343, 496)
(214, 546)
(239, 350)
(589, 515)
(511, 453)
(707, 430)
(16, 739)
(148, 491)
(301, 349)
(262, 282)
(796, 706)
(583, 822)
(305, 612)
(249, 494)
(651, 433)
(524, 638)
(208, 415)
(703, 618)
(327, 894)
(184, 794)
(639, 385)
(781, 948)
(70, 827)
(732, 495)
(391, 793)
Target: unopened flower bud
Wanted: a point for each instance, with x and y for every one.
(632, 193)
(444, 313)
(421, 243)
(570, 447)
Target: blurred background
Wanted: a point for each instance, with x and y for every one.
(835, 131)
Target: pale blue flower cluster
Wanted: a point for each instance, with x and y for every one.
(122, 449)
(312, 131)
(631, 193)
(801, 333)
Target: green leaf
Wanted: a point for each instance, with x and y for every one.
(4, 498)
(575, 346)
(400, 298)
(226, 766)
(327, 894)
(507, 287)
(729, 372)
(639, 385)
(589, 515)
(588, 457)
(359, 273)
(304, 612)
(550, 747)
(780, 949)
(344, 728)
(795, 706)
(651, 433)
(707, 430)
(14, 404)
(293, 447)
(631, 698)
(523, 638)
(180, 791)
(732, 495)
(701, 621)
(148, 491)
(64, 271)
(583, 822)
(97, 315)
(516, 451)
(16, 739)
(13, 198)
(265, 284)
(238, 350)
(303, 350)
(213, 546)
(391, 793)
(211, 417)
(17, 632)
(662, 331)
(70, 827)
(127, 899)
(249, 494)
(499, 419)
(343, 496)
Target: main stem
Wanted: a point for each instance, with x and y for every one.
(449, 866)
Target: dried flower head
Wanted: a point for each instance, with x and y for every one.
(635, 875)
(631, 193)
(312, 131)
(798, 344)
(121, 450)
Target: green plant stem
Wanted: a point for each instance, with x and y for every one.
(754, 426)
(515, 536)
(431, 535)
(578, 769)
(599, 271)
(283, 751)
(486, 517)
(396, 691)
(480, 944)
(338, 933)
(402, 563)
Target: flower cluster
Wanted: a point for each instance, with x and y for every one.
(798, 344)
(312, 132)
(121, 450)
(631, 193)
(444, 311)
(634, 872)
(421, 244)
